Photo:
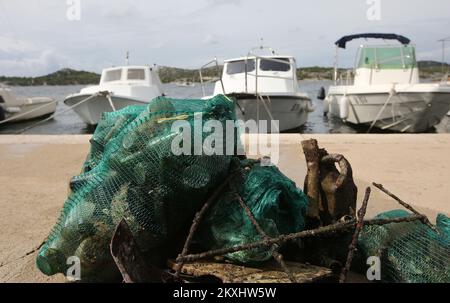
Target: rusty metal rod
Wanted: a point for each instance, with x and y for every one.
(410, 218)
(352, 248)
(197, 220)
(276, 255)
(337, 227)
(405, 205)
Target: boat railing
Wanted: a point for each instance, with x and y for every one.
(445, 77)
(347, 77)
(215, 63)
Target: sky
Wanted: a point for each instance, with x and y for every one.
(41, 36)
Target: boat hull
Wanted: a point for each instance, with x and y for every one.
(90, 112)
(411, 112)
(31, 108)
(291, 111)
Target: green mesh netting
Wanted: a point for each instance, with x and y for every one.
(277, 205)
(131, 174)
(409, 252)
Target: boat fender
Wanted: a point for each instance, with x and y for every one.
(2, 113)
(326, 105)
(343, 107)
(321, 95)
(310, 107)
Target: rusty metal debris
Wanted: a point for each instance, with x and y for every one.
(311, 188)
(332, 194)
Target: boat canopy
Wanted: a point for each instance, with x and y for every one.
(385, 57)
(343, 41)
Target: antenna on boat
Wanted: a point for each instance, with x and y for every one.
(127, 58)
(443, 41)
(262, 47)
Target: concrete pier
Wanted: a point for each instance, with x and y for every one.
(35, 170)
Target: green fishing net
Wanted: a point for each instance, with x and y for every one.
(275, 202)
(409, 252)
(131, 173)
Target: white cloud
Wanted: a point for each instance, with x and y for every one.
(19, 57)
(121, 10)
(12, 45)
(210, 40)
(188, 33)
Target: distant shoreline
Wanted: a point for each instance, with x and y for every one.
(428, 70)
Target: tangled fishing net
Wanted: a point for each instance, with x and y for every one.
(276, 203)
(409, 252)
(131, 173)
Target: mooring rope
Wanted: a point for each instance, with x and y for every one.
(26, 113)
(60, 112)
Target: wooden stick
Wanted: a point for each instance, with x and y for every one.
(337, 227)
(197, 220)
(352, 248)
(276, 255)
(406, 205)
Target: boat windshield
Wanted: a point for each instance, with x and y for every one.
(402, 57)
(275, 66)
(238, 67)
(136, 74)
(113, 75)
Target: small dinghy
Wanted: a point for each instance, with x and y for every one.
(17, 109)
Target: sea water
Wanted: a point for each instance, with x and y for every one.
(69, 123)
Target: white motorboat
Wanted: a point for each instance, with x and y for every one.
(384, 90)
(16, 109)
(119, 87)
(265, 88)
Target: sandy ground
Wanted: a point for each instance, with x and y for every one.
(35, 170)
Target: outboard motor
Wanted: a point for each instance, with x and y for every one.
(2, 113)
(321, 95)
(2, 110)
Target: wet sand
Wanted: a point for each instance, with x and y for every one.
(35, 170)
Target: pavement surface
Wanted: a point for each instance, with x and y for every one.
(35, 171)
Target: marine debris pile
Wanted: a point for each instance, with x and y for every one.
(140, 213)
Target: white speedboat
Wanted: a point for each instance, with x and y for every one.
(265, 88)
(118, 88)
(384, 90)
(16, 109)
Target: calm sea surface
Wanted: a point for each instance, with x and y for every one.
(69, 123)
